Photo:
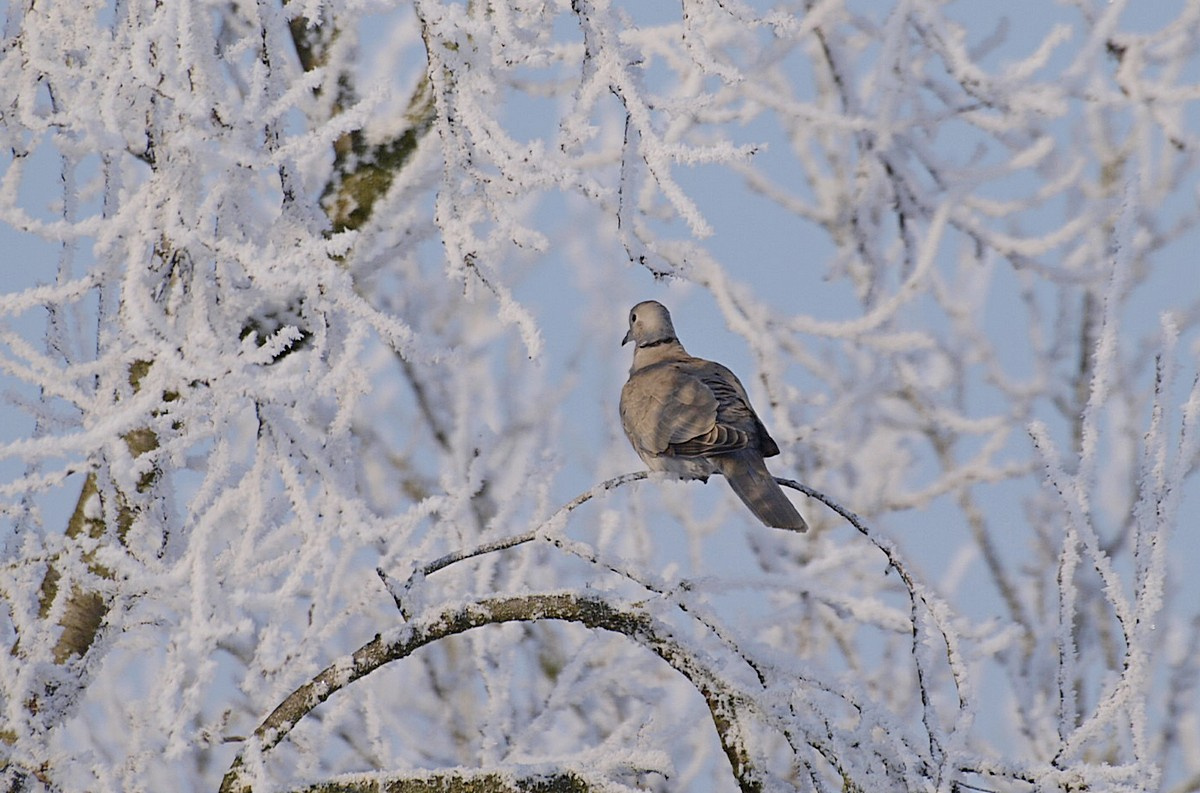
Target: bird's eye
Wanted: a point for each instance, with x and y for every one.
(632, 318)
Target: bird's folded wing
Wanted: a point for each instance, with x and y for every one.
(741, 424)
(662, 405)
(721, 439)
(735, 424)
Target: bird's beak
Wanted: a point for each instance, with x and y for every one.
(628, 337)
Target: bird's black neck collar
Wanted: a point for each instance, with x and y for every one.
(657, 343)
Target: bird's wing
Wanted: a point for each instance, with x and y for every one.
(736, 426)
(663, 406)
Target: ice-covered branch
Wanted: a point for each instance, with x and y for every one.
(927, 612)
(551, 525)
(729, 707)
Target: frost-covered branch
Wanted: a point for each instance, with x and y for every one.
(504, 780)
(926, 610)
(552, 525)
(727, 705)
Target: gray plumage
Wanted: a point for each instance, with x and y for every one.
(691, 417)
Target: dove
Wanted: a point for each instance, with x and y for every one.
(692, 417)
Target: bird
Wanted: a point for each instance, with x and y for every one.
(692, 418)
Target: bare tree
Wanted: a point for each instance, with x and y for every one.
(312, 477)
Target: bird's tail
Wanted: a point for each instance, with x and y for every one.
(748, 476)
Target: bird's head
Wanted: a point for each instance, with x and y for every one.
(649, 324)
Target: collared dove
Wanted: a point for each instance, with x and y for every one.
(691, 417)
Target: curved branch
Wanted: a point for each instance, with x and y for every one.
(916, 594)
(400, 591)
(726, 705)
(920, 601)
(546, 530)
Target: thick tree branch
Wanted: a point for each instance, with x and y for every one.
(463, 781)
(728, 707)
